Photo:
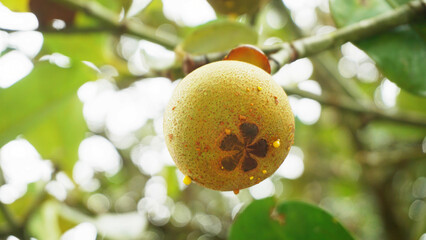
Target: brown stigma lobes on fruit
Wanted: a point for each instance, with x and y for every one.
(228, 126)
(245, 151)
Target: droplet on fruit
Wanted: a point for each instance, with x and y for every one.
(187, 180)
(276, 144)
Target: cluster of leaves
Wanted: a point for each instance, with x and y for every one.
(44, 109)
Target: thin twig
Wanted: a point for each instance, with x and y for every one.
(374, 113)
(129, 26)
(288, 52)
(70, 30)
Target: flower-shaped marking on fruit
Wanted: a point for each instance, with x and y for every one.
(247, 151)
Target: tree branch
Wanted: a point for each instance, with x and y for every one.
(130, 26)
(283, 53)
(374, 113)
(71, 30)
(288, 52)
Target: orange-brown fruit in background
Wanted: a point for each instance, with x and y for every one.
(48, 10)
(250, 54)
(228, 125)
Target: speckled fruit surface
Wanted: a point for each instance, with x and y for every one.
(228, 125)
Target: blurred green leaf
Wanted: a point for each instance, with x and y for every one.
(398, 53)
(85, 47)
(169, 174)
(411, 102)
(44, 108)
(217, 36)
(289, 220)
(114, 5)
(284, 33)
(16, 5)
(44, 222)
(59, 136)
(153, 15)
(22, 206)
(419, 27)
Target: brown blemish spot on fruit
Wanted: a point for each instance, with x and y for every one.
(174, 108)
(242, 118)
(206, 148)
(251, 104)
(170, 137)
(246, 150)
(276, 99)
(236, 191)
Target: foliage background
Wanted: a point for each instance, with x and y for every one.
(81, 101)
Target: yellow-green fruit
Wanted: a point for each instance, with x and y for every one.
(228, 125)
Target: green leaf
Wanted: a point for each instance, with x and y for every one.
(85, 47)
(288, 221)
(16, 5)
(418, 27)
(59, 136)
(398, 53)
(44, 108)
(169, 174)
(44, 224)
(217, 36)
(20, 208)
